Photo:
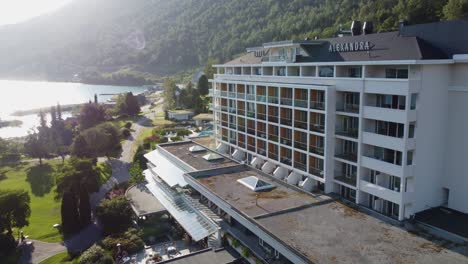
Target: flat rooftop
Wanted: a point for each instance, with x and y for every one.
(322, 229)
(224, 256)
(143, 202)
(195, 159)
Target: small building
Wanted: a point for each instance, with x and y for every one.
(202, 119)
(180, 115)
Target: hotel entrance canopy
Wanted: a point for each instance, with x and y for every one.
(194, 223)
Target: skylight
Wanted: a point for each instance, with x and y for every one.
(196, 148)
(212, 157)
(255, 184)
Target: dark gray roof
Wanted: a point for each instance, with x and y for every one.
(227, 255)
(383, 46)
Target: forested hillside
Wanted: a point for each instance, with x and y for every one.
(130, 40)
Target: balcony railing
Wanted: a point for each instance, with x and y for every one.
(241, 95)
(317, 105)
(224, 123)
(241, 128)
(232, 110)
(241, 112)
(225, 138)
(273, 118)
(390, 159)
(286, 141)
(261, 134)
(277, 58)
(251, 147)
(286, 160)
(223, 93)
(250, 97)
(261, 151)
(273, 137)
(349, 108)
(353, 133)
(351, 156)
(233, 125)
(317, 128)
(300, 166)
(316, 171)
(224, 108)
(286, 101)
(261, 116)
(300, 124)
(241, 143)
(261, 98)
(251, 114)
(272, 155)
(232, 95)
(273, 99)
(233, 140)
(251, 131)
(286, 121)
(316, 150)
(300, 103)
(300, 145)
(348, 179)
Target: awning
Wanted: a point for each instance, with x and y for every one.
(166, 169)
(195, 224)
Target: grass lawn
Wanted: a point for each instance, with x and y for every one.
(59, 258)
(39, 182)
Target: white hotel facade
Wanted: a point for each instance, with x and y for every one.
(379, 119)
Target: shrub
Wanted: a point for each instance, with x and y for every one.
(126, 132)
(245, 252)
(183, 132)
(235, 243)
(128, 125)
(115, 215)
(177, 138)
(95, 254)
(130, 241)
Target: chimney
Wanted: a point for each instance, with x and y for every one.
(356, 28)
(401, 24)
(368, 28)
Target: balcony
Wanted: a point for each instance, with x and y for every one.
(277, 58)
(241, 144)
(261, 151)
(261, 98)
(233, 125)
(224, 138)
(349, 156)
(316, 171)
(351, 132)
(383, 141)
(379, 191)
(286, 141)
(223, 94)
(232, 110)
(262, 116)
(251, 114)
(273, 118)
(261, 134)
(300, 124)
(233, 141)
(300, 145)
(300, 166)
(273, 137)
(241, 112)
(286, 160)
(241, 96)
(251, 131)
(347, 179)
(273, 99)
(317, 105)
(348, 108)
(224, 108)
(385, 114)
(232, 95)
(251, 147)
(300, 103)
(374, 163)
(316, 150)
(224, 123)
(286, 101)
(273, 156)
(250, 97)
(286, 121)
(317, 128)
(241, 128)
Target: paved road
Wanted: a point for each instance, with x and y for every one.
(40, 251)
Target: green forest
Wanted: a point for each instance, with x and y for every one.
(128, 42)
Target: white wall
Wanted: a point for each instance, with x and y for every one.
(431, 137)
(457, 140)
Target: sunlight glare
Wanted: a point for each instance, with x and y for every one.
(15, 11)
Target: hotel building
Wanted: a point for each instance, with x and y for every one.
(377, 118)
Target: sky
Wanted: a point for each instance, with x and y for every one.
(15, 11)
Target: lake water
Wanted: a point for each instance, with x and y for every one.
(25, 95)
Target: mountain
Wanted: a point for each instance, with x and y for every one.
(128, 41)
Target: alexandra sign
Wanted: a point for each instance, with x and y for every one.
(350, 46)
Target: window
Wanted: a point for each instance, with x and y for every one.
(414, 98)
(409, 157)
(281, 71)
(327, 71)
(390, 101)
(394, 73)
(411, 130)
(258, 71)
(355, 72)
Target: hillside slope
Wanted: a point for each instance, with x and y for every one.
(163, 37)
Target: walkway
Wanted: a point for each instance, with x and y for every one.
(39, 251)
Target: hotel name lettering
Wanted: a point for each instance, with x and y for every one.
(350, 46)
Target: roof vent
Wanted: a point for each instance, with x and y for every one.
(213, 157)
(356, 28)
(196, 148)
(255, 184)
(368, 28)
(401, 24)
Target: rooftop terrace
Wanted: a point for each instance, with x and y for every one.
(323, 229)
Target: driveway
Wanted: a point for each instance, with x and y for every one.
(39, 251)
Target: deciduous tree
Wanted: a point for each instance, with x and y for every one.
(14, 210)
